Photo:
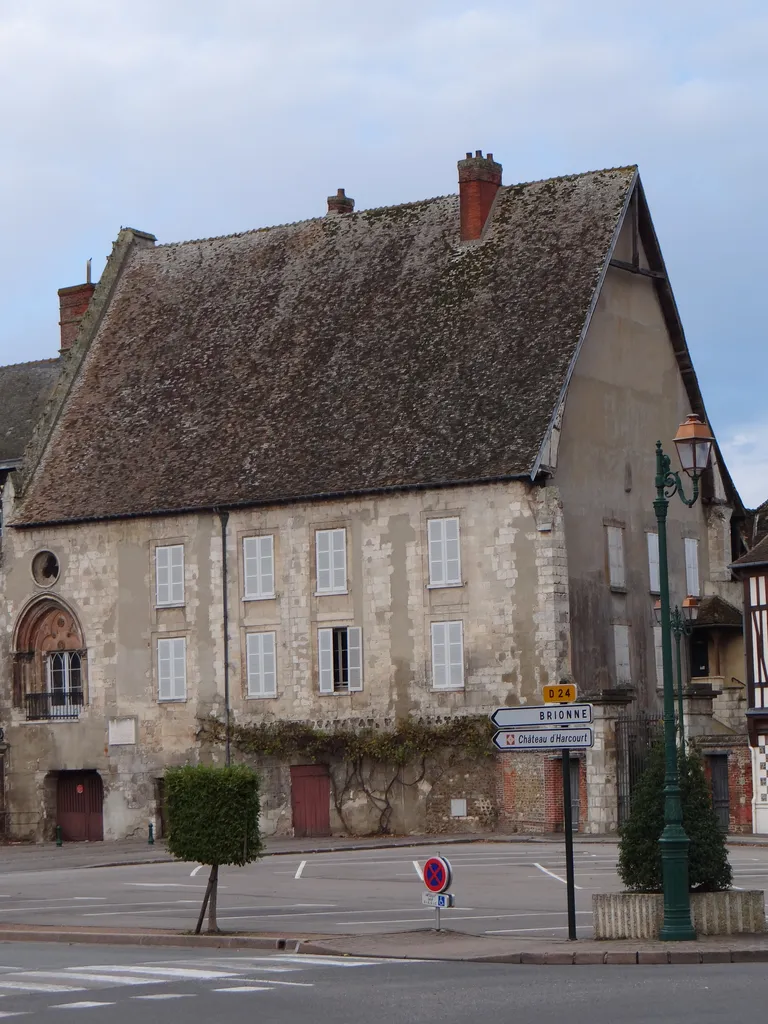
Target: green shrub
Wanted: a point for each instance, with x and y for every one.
(639, 863)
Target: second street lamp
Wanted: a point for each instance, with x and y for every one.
(680, 623)
(694, 445)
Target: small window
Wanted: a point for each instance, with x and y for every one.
(653, 562)
(621, 654)
(331, 551)
(64, 676)
(692, 566)
(45, 568)
(172, 669)
(447, 656)
(262, 675)
(169, 575)
(659, 657)
(616, 574)
(444, 555)
(259, 567)
(341, 659)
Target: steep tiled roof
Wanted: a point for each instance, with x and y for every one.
(716, 611)
(758, 555)
(24, 389)
(344, 354)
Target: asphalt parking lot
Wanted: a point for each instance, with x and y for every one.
(514, 889)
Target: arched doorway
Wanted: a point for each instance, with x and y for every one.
(49, 661)
(80, 806)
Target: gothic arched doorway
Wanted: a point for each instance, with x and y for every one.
(49, 661)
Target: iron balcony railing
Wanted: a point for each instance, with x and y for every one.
(56, 705)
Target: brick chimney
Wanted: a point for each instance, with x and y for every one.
(73, 303)
(340, 203)
(479, 181)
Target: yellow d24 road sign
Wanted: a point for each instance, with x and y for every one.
(562, 693)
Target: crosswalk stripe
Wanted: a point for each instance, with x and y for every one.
(109, 979)
(169, 973)
(84, 1005)
(32, 986)
(244, 988)
(167, 995)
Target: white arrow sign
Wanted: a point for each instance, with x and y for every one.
(544, 739)
(544, 714)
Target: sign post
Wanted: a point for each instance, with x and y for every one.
(559, 724)
(437, 878)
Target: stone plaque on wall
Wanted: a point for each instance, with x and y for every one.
(122, 732)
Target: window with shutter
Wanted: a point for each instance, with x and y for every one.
(444, 552)
(169, 575)
(331, 557)
(653, 562)
(259, 567)
(172, 669)
(325, 659)
(692, 566)
(261, 667)
(616, 574)
(447, 656)
(621, 654)
(340, 658)
(658, 656)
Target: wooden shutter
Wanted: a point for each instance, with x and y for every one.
(653, 562)
(658, 655)
(325, 659)
(452, 570)
(179, 668)
(616, 572)
(323, 555)
(177, 573)
(262, 671)
(164, 670)
(355, 658)
(162, 575)
(692, 566)
(439, 656)
(621, 653)
(455, 655)
(436, 545)
(339, 559)
(259, 566)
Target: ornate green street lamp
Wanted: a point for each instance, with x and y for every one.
(694, 446)
(680, 622)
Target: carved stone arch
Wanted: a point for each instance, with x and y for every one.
(47, 633)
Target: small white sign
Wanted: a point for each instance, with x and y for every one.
(544, 714)
(122, 732)
(544, 739)
(438, 900)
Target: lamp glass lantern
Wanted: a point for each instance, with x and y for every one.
(694, 441)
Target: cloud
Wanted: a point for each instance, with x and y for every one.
(745, 450)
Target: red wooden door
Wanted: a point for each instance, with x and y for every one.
(79, 806)
(311, 800)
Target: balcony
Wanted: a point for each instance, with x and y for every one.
(56, 706)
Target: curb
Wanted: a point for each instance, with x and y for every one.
(154, 939)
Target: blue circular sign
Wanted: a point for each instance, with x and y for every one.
(437, 874)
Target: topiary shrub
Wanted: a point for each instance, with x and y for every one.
(213, 818)
(639, 865)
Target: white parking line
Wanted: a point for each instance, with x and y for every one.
(167, 995)
(84, 1005)
(553, 875)
(419, 872)
(300, 869)
(244, 988)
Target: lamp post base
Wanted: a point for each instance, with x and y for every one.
(677, 925)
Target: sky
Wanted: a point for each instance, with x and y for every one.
(190, 119)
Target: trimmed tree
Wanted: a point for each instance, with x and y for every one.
(639, 863)
(213, 819)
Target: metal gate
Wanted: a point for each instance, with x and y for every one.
(718, 764)
(635, 735)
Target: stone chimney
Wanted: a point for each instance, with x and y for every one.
(340, 203)
(479, 181)
(73, 303)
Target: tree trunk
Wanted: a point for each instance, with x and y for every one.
(213, 882)
(207, 896)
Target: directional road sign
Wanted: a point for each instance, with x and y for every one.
(437, 874)
(542, 714)
(544, 739)
(562, 693)
(438, 900)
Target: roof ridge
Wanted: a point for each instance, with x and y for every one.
(30, 362)
(572, 177)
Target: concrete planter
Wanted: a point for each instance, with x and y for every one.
(639, 915)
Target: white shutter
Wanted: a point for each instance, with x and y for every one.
(455, 655)
(325, 659)
(439, 656)
(162, 576)
(261, 667)
(444, 552)
(355, 658)
(692, 566)
(323, 554)
(653, 562)
(259, 566)
(177, 573)
(339, 555)
(659, 658)
(616, 573)
(172, 669)
(621, 653)
(179, 685)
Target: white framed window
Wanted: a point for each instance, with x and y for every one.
(447, 656)
(616, 573)
(331, 554)
(692, 567)
(261, 664)
(653, 562)
(169, 575)
(340, 659)
(444, 553)
(172, 669)
(658, 656)
(259, 567)
(64, 679)
(621, 654)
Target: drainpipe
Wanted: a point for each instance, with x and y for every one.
(224, 517)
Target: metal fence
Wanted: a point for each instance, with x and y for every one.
(635, 735)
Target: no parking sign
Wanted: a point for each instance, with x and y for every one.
(437, 874)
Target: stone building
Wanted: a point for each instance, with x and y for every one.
(375, 468)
